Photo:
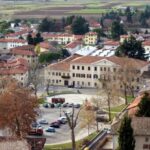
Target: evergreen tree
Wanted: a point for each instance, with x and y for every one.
(144, 106)
(38, 39)
(80, 25)
(132, 49)
(126, 138)
(30, 39)
(117, 30)
(128, 14)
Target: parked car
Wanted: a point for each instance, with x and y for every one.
(50, 129)
(43, 121)
(55, 124)
(46, 105)
(52, 106)
(70, 86)
(36, 125)
(65, 105)
(70, 105)
(62, 120)
(77, 106)
(58, 105)
(35, 131)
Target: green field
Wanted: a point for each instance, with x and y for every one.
(84, 7)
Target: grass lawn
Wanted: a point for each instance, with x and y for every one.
(67, 146)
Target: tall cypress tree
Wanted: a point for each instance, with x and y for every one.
(144, 106)
(126, 138)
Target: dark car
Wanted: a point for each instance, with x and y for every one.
(52, 105)
(70, 105)
(77, 106)
(46, 105)
(70, 86)
(55, 124)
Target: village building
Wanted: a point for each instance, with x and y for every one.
(11, 43)
(90, 38)
(26, 52)
(85, 71)
(16, 68)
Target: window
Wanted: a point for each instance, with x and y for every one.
(89, 84)
(73, 74)
(95, 76)
(101, 69)
(89, 68)
(138, 80)
(95, 68)
(82, 67)
(146, 139)
(114, 69)
(56, 73)
(104, 68)
(53, 73)
(88, 75)
(82, 83)
(108, 69)
(59, 73)
(78, 67)
(73, 67)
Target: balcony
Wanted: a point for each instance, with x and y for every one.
(65, 76)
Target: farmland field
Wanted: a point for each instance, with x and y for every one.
(59, 8)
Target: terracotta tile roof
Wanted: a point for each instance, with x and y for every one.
(87, 59)
(59, 35)
(78, 37)
(135, 102)
(28, 51)
(25, 47)
(12, 41)
(141, 125)
(73, 44)
(16, 66)
(63, 65)
(117, 60)
(25, 31)
(112, 43)
(91, 33)
(47, 45)
(146, 43)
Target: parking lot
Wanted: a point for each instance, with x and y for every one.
(63, 133)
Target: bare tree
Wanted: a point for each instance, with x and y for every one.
(72, 122)
(109, 88)
(128, 77)
(34, 78)
(17, 109)
(87, 118)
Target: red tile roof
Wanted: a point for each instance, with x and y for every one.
(15, 66)
(117, 60)
(46, 45)
(63, 65)
(12, 41)
(146, 43)
(73, 44)
(23, 51)
(91, 33)
(112, 43)
(25, 31)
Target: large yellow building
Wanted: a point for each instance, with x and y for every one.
(90, 38)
